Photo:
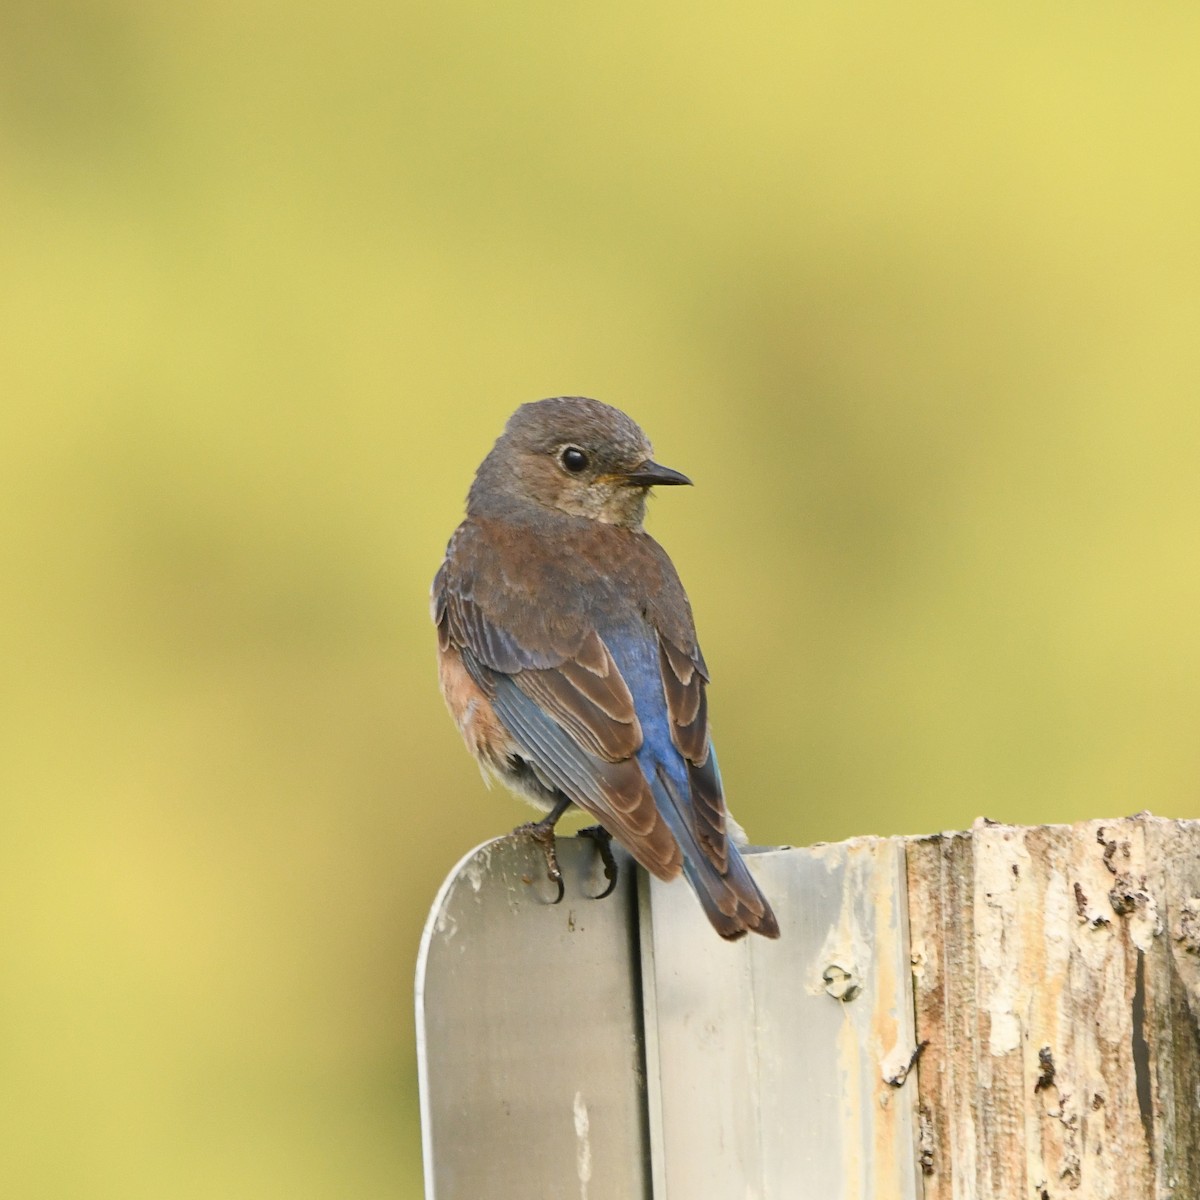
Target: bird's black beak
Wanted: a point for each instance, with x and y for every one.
(651, 474)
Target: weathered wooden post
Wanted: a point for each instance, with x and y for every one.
(998, 1014)
(1057, 979)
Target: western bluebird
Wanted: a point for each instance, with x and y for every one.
(568, 657)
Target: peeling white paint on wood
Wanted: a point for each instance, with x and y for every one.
(1060, 1040)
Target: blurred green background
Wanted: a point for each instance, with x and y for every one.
(912, 292)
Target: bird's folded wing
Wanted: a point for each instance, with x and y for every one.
(580, 687)
(573, 713)
(614, 792)
(588, 697)
(685, 681)
(462, 622)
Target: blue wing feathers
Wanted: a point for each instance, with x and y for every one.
(729, 896)
(727, 892)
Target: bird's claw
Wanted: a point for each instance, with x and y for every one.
(543, 835)
(603, 840)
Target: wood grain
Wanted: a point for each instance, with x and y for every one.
(1057, 984)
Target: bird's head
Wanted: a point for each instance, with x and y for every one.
(574, 455)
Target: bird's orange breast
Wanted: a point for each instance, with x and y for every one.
(486, 738)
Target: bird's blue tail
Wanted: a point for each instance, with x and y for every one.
(730, 898)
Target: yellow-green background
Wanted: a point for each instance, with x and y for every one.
(912, 291)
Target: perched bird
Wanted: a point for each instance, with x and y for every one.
(568, 656)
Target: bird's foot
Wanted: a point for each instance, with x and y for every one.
(542, 832)
(603, 840)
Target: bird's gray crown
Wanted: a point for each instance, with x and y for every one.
(545, 424)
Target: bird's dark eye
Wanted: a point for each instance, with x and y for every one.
(573, 459)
